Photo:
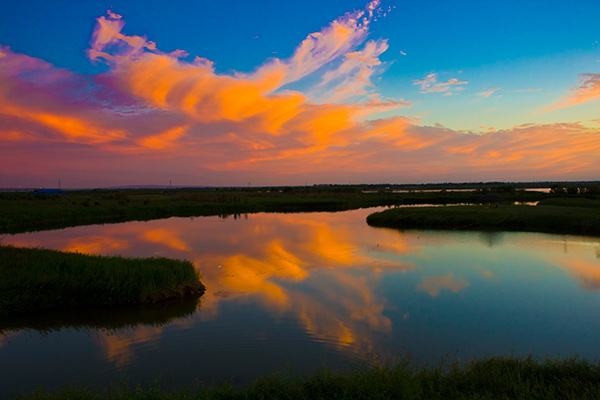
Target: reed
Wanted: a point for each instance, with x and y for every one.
(38, 280)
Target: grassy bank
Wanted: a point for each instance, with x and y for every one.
(498, 378)
(21, 212)
(563, 217)
(37, 280)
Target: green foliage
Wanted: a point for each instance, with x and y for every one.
(572, 202)
(543, 218)
(36, 279)
(495, 378)
(589, 189)
(21, 212)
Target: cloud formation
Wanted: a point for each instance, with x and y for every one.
(430, 84)
(588, 90)
(488, 92)
(433, 285)
(159, 114)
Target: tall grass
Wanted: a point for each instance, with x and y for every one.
(496, 378)
(37, 279)
(543, 218)
(27, 212)
(575, 201)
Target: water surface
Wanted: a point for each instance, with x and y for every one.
(302, 291)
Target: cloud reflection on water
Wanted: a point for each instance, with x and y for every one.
(323, 269)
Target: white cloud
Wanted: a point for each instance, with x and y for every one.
(488, 92)
(430, 84)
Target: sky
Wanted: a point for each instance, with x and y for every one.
(110, 93)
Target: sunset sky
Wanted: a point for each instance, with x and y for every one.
(109, 93)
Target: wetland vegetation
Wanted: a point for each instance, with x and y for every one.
(33, 280)
(30, 211)
(493, 378)
(555, 216)
(72, 290)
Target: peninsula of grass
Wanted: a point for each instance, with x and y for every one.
(495, 378)
(33, 280)
(30, 211)
(559, 218)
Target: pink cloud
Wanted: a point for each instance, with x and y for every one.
(488, 92)
(154, 115)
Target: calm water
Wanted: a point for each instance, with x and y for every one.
(301, 291)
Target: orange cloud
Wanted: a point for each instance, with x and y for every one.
(164, 139)
(588, 90)
(587, 272)
(166, 238)
(180, 117)
(96, 245)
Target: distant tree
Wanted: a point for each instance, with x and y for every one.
(572, 190)
(593, 190)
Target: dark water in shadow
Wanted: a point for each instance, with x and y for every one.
(101, 318)
(302, 291)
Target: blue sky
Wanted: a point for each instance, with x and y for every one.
(417, 80)
(531, 50)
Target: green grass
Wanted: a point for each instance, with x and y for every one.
(542, 218)
(575, 201)
(20, 212)
(496, 378)
(38, 280)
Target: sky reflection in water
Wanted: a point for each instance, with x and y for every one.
(300, 291)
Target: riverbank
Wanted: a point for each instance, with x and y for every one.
(556, 216)
(34, 280)
(495, 378)
(21, 212)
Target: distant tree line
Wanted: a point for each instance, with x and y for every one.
(587, 190)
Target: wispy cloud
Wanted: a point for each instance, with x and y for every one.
(430, 84)
(353, 77)
(433, 285)
(588, 90)
(155, 113)
(488, 92)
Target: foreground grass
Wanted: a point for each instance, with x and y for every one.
(21, 212)
(497, 378)
(36, 280)
(583, 220)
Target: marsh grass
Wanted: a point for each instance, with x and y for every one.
(20, 212)
(38, 279)
(575, 201)
(543, 218)
(495, 378)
